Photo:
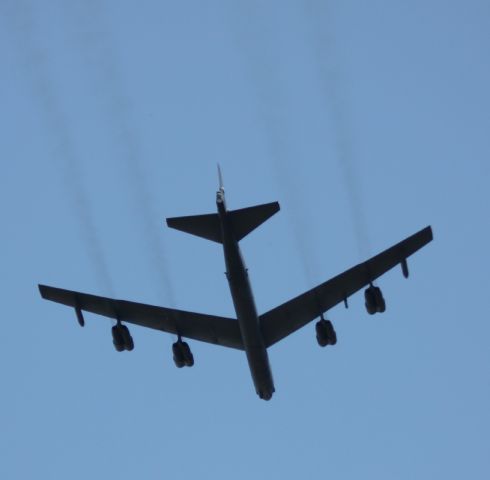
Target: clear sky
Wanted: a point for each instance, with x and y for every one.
(366, 120)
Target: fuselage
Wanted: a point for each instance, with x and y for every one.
(243, 300)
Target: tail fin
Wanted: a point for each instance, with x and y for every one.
(220, 179)
(247, 219)
(208, 226)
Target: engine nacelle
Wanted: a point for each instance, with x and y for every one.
(182, 354)
(127, 338)
(121, 338)
(117, 338)
(374, 300)
(325, 333)
(321, 333)
(188, 357)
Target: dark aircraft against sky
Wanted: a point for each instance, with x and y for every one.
(250, 332)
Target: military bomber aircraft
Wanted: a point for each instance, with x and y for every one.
(249, 331)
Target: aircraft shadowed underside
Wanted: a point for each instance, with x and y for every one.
(249, 331)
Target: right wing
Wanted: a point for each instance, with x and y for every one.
(198, 326)
(290, 316)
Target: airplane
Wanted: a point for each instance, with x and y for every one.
(249, 331)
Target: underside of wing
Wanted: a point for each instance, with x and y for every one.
(205, 328)
(290, 316)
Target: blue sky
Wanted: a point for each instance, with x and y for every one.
(365, 121)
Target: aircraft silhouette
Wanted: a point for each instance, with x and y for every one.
(250, 332)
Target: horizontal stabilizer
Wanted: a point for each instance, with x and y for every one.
(247, 219)
(205, 226)
(208, 226)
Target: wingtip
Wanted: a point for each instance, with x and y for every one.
(430, 232)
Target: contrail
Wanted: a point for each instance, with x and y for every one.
(18, 20)
(289, 182)
(284, 155)
(263, 70)
(119, 123)
(329, 69)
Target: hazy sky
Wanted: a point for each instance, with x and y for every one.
(366, 120)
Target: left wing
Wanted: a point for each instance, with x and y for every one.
(290, 316)
(198, 326)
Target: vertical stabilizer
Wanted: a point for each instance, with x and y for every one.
(220, 180)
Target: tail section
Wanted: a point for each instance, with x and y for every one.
(211, 226)
(208, 226)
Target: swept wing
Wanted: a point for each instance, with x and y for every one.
(206, 328)
(290, 316)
